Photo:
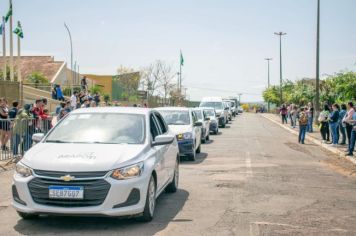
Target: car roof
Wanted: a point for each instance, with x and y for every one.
(122, 110)
(207, 108)
(172, 109)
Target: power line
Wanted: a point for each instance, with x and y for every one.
(221, 90)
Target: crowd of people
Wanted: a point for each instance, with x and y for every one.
(337, 123)
(18, 124)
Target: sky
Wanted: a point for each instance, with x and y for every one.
(224, 42)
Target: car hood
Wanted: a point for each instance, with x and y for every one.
(179, 129)
(80, 157)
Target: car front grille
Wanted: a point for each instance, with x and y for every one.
(95, 192)
(58, 174)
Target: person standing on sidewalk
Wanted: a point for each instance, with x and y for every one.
(342, 126)
(351, 148)
(303, 122)
(348, 127)
(334, 124)
(324, 123)
(310, 113)
(283, 112)
(294, 115)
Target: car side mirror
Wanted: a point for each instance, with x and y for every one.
(163, 140)
(207, 119)
(37, 137)
(198, 123)
(226, 109)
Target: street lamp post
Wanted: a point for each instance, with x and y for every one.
(317, 102)
(280, 34)
(71, 54)
(268, 80)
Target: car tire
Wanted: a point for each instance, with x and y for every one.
(27, 216)
(207, 138)
(173, 186)
(150, 205)
(204, 140)
(199, 149)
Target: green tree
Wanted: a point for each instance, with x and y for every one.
(37, 79)
(95, 89)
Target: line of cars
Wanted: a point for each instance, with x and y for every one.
(112, 161)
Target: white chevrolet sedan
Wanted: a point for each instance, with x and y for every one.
(98, 161)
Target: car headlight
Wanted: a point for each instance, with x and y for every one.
(128, 172)
(182, 136)
(23, 170)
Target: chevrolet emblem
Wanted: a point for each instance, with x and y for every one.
(67, 178)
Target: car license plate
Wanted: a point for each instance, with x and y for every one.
(66, 192)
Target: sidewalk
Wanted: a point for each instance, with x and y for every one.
(314, 137)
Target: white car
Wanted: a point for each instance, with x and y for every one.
(218, 104)
(228, 109)
(98, 161)
(184, 123)
(205, 130)
(213, 122)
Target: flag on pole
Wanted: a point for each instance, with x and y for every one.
(181, 59)
(9, 13)
(18, 30)
(2, 29)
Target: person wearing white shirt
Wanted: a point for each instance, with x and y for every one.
(73, 100)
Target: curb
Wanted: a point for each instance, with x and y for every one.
(314, 140)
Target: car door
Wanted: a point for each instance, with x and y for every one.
(159, 162)
(169, 153)
(196, 130)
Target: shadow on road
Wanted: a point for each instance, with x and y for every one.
(210, 141)
(198, 159)
(168, 206)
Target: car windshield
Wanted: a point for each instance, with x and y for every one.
(108, 128)
(215, 105)
(198, 114)
(176, 117)
(209, 112)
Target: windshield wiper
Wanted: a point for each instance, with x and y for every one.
(56, 141)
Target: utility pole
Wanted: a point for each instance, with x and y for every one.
(239, 98)
(317, 89)
(268, 80)
(280, 34)
(71, 54)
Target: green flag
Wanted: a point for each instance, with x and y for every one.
(181, 59)
(9, 13)
(18, 30)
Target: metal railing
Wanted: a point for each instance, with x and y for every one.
(16, 135)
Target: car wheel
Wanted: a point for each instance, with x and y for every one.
(204, 140)
(150, 205)
(173, 186)
(207, 138)
(199, 148)
(27, 216)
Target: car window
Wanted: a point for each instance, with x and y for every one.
(195, 119)
(161, 123)
(111, 128)
(175, 117)
(155, 131)
(198, 114)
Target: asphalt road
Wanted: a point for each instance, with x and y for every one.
(252, 179)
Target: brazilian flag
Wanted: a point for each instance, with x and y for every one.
(18, 30)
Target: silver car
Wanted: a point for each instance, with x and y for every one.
(205, 130)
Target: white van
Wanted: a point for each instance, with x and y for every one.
(218, 104)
